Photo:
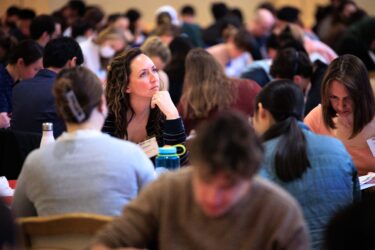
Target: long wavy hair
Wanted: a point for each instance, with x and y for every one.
(206, 87)
(118, 99)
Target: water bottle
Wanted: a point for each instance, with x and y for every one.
(168, 159)
(47, 136)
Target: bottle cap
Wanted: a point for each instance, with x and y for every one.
(47, 126)
(167, 150)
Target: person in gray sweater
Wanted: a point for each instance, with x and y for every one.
(84, 170)
(215, 204)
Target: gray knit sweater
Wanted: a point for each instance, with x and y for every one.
(83, 172)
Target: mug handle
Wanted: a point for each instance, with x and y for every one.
(180, 146)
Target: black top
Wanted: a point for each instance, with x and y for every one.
(170, 132)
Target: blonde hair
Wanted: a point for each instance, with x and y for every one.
(153, 46)
(206, 87)
(110, 33)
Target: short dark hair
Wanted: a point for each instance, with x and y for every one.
(41, 24)
(290, 62)
(78, 6)
(350, 71)
(227, 144)
(86, 88)
(58, 51)
(219, 10)
(351, 227)
(29, 50)
(244, 40)
(27, 14)
(80, 27)
(13, 10)
(188, 10)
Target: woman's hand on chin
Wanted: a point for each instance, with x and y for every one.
(163, 100)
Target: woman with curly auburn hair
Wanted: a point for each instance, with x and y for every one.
(347, 110)
(208, 90)
(138, 110)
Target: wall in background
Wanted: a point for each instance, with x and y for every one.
(148, 7)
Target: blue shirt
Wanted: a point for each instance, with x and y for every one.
(329, 184)
(6, 85)
(34, 104)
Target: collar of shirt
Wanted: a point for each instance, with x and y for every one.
(80, 134)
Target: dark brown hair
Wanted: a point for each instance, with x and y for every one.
(227, 144)
(285, 101)
(117, 98)
(77, 92)
(350, 71)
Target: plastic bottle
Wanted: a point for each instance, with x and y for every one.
(168, 159)
(47, 136)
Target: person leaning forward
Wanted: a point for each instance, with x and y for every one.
(217, 203)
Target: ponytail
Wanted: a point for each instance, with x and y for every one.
(291, 160)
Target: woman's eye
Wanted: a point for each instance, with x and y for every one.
(155, 70)
(143, 74)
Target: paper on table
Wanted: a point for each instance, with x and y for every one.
(5, 190)
(365, 179)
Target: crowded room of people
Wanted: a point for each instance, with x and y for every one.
(202, 125)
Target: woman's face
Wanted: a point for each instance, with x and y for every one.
(340, 99)
(144, 78)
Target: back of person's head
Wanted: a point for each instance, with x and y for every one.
(219, 10)
(238, 155)
(291, 36)
(111, 33)
(351, 227)
(245, 41)
(289, 14)
(188, 10)
(7, 45)
(60, 50)
(12, 11)
(180, 47)
(205, 85)
(290, 62)
(94, 15)
(350, 71)
(29, 50)
(41, 24)
(133, 15)
(80, 27)
(154, 47)
(284, 100)
(77, 6)
(77, 93)
(27, 14)
(236, 12)
(163, 18)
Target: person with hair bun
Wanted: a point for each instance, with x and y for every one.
(84, 170)
(316, 170)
